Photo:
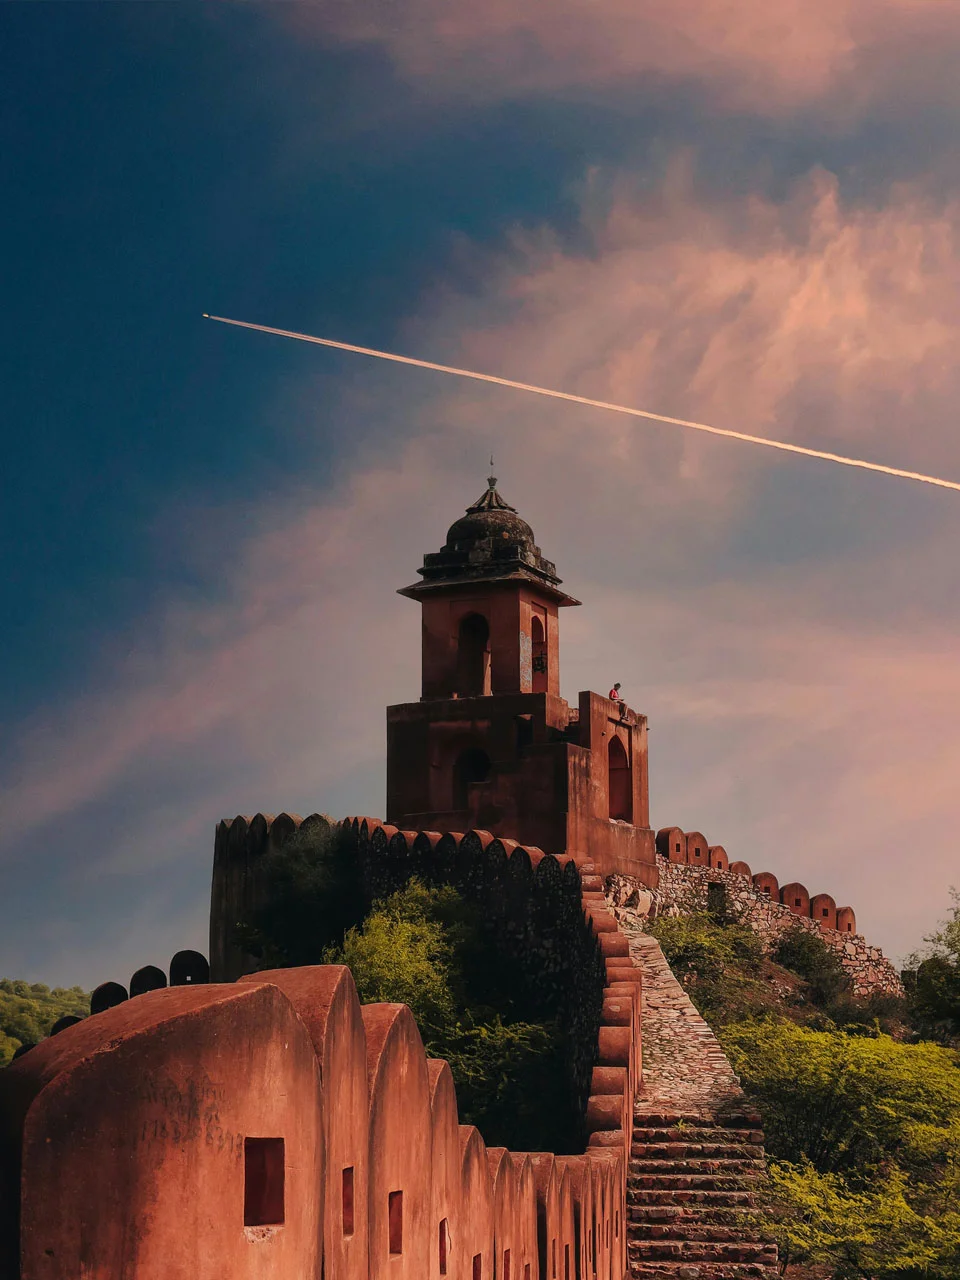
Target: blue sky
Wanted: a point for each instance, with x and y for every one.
(202, 529)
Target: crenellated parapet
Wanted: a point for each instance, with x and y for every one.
(759, 901)
(275, 1126)
(240, 846)
(690, 849)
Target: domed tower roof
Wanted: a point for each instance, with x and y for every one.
(490, 543)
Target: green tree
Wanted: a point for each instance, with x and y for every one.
(934, 983)
(426, 947)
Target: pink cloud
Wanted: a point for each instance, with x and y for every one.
(804, 713)
(766, 58)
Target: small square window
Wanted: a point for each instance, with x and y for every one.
(263, 1182)
(826, 911)
(797, 902)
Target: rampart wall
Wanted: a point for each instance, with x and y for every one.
(758, 902)
(274, 1127)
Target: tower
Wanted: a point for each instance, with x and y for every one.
(491, 745)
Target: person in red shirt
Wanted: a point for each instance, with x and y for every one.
(614, 694)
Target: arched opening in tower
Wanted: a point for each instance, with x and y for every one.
(472, 766)
(473, 656)
(620, 783)
(539, 654)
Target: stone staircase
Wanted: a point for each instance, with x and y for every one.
(690, 1193)
(697, 1151)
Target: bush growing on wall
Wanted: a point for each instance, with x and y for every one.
(424, 946)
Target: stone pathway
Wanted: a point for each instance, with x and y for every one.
(697, 1149)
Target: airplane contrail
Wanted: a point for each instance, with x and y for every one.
(593, 404)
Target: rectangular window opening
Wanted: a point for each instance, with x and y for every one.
(506, 1264)
(395, 1221)
(526, 1271)
(444, 1239)
(566, 1262)
(478, 1266)
(796, 902)
(263, 1169)
(676, 848)
(553, 1258)
(826, 911)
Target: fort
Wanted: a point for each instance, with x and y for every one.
(222, 1121)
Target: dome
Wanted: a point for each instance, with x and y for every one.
(490, 543)
(490, 518)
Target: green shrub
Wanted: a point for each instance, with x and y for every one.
(427, 948)
(820, 966)
(933, 993)
(848, 1104)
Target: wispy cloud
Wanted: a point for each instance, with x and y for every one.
(844, 55)
(804, 704)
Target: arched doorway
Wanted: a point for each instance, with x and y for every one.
(473, 656)
(472, 765)
(539, 654)
(619, 782)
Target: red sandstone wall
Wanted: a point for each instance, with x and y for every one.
(129, 1135)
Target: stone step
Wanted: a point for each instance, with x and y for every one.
(727, 1215)
(663, 1270)
(708, 1232)
(698, 1133)
(689, 1181)
(702, 1251)
(691, 1150)
(745, 1168)
(656, 1119)
(712, 1200)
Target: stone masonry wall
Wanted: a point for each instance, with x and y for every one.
(683, 890)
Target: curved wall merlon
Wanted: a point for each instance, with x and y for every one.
(697, 855)
(276, 1127)
(691, 848)
(672, 844)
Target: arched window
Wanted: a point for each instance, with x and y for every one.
(472, 766)
(620, 783)
(539, 652)
(473, 656)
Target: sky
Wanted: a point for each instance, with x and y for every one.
(748, 215)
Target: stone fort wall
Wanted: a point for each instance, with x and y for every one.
(757, 901)
(274, 1127)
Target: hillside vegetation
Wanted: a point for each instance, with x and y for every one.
(861, 1111)
(27, 1012)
